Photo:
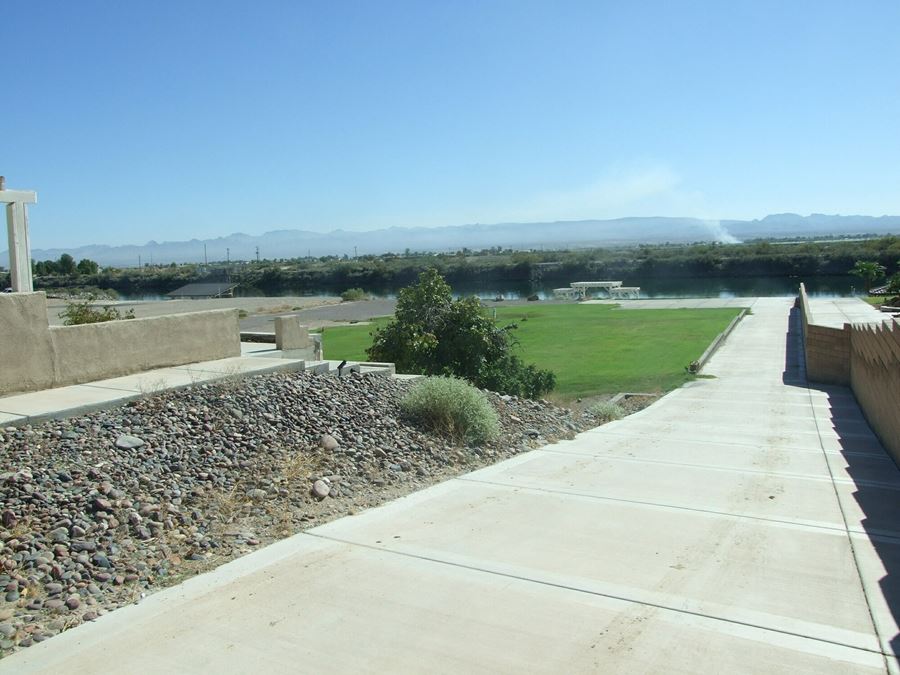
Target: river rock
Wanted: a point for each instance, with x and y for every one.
(328, 442)
(126, 442)
(321, 489)
(133, 518)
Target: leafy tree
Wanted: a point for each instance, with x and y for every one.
(869, 272)
(894, 281)
(66, 264)
(433, 334)
(86, 266)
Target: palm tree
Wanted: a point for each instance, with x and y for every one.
(869, 272)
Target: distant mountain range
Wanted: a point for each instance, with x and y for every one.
(559, 234)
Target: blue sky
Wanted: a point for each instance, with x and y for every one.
(172, 120)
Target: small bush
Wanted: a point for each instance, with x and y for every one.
(607, 411)
(533, 297)
(78, 312)
(448, 405)
(242, 314)
(354, 294)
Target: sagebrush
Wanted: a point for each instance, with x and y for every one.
(607, 411)
(451, 406)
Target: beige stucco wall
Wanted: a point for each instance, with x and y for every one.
(35, 356)
(99, 350)
(26, 352)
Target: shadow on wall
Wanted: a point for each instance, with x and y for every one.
(794, 374)
(876, 479)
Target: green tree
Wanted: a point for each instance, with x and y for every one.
(894, 281)
(433, 334)
(869, 272)
(66, 264)
(86, 266)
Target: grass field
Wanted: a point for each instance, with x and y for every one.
(593, 349)
(877, 299)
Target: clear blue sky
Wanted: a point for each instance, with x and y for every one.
(171, 120)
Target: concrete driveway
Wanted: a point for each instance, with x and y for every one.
(742, 524)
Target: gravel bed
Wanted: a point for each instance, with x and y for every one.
(99, 510)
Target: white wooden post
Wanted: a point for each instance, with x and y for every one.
(17, 229)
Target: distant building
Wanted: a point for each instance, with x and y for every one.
(200, 291)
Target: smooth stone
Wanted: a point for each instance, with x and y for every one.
(101, 560)
(328, 442)
(81, 545)
(126, 442)
(321, 489)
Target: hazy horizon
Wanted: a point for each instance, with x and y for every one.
(137, 123)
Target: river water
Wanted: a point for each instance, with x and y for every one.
(718, 287)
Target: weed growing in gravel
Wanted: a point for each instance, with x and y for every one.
(228, 504)
(299, 466)
(152, 385)
(451, 406)
(607, 411)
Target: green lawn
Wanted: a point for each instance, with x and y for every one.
(593, 349)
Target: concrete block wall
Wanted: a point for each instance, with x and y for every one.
(34, 355)
(875, 379)
(827, 349)
(865, 357)
(828, 354)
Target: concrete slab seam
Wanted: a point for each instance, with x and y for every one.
(830, 529)
(621, 598)
(738, 444)
(727, 469)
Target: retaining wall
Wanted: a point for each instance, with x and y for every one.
(875, 379)
(827, 348)
(35, 355)
(865, 357)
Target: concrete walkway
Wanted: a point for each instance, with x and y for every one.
(835, 312)
(742, 524)
(256, 358)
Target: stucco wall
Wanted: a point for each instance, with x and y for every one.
(26, 353)
(35, 356)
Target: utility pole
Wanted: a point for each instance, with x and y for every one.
(257, 254)
(205, 259)
(140, 267)
(354, 253)
(228, 255)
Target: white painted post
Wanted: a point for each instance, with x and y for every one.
(17, 230)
